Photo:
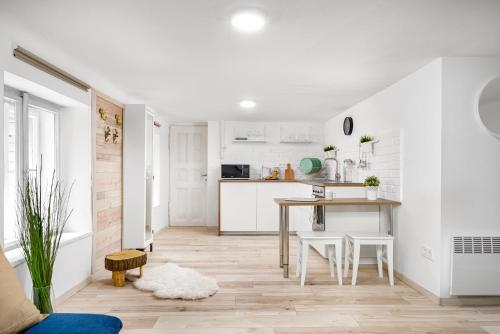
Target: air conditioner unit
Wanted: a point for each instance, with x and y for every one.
(475, 266)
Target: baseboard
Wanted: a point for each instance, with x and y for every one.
(471, 301)
(62, 298)
(450, 301)
(249, 233)
(435, 299)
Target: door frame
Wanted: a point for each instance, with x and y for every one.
(170, 160)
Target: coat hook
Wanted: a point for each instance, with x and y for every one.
(118, 119)
(107, 133)
(115, 136)
(103, 114)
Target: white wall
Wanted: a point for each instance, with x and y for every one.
(213, 170)
(69, 270)
(413, 107)
(490, 116)
(470, 158)
(161, 212)
(75, 165)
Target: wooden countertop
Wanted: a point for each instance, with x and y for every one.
(309, 182)
(258, 180)
(338, 201)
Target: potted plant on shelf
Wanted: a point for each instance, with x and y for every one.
(366, 142)
(42, 216)
(330, 150)
(371, 183)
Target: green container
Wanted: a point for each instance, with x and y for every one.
(310, 165)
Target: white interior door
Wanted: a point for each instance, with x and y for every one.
(188, 175)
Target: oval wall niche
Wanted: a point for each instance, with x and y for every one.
(489, 107)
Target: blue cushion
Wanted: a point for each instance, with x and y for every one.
(75, 323)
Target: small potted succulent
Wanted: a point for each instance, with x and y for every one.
(330, 150)
(366, 142)
(371, 184)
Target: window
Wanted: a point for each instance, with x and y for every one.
(11, 114)
(42, 141)
(28, 150)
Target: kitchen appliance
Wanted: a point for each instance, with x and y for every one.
(318, 217)
(235, 171)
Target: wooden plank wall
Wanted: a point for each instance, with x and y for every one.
(107, 184)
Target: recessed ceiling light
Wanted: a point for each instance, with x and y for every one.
(247, 104)
(248, 20)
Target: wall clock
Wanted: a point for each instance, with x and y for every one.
(348, 125)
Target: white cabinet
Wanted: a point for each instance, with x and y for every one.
(137, 176)
(238, 206)
(268, 212)
(250, 206)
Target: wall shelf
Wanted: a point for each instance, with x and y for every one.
(249, 134)
(296, 135)
(296, 141)
(249, 140)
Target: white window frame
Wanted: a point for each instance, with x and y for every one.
(25, 101)
(9, 95)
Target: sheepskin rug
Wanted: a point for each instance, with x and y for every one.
(169, 281)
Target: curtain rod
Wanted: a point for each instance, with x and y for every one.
(32, 59)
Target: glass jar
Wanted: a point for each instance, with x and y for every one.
(348, 170)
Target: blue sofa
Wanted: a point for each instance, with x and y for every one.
(76, 323)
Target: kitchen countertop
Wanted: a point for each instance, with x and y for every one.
(324, 183)
(337, 201)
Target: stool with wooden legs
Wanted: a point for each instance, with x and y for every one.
(333, 244)
(384, 245)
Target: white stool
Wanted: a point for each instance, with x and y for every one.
(332, 242)
(353, 243)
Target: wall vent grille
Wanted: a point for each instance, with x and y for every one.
(476, 245)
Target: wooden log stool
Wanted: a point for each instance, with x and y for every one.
(118, 263)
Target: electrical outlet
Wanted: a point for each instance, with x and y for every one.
(427, 253)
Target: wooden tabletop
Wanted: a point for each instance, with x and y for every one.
(338, 201)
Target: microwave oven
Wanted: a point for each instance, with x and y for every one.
(235, 171)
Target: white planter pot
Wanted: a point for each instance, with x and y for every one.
(367, 147)
(371, 193)
(331, 154)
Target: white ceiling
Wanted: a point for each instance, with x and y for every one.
(314, 59)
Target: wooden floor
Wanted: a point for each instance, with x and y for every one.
(254, 298)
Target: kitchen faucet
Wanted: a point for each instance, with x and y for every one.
(337, 167)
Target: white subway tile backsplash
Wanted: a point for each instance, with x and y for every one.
(384, 162)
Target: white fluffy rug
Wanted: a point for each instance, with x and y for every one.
(174, 282)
